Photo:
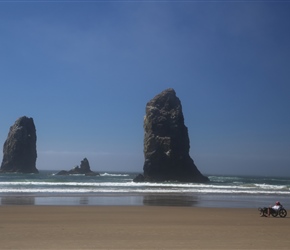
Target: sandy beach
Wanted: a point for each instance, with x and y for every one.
(139, 227)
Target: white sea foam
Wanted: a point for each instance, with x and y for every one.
(132, 187)
(123, 183)
(113, 190)
(116, 175)
(275, 187)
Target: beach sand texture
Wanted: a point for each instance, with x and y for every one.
(139, 227)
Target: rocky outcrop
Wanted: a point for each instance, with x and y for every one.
(19, 150)
(83, 169)
(166, 142)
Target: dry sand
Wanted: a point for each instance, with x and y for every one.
(142, 227)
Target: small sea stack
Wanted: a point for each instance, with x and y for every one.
(19, 150)
(166, 142)
(84, 168)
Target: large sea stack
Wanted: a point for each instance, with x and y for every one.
(166, 142)
(19, 150)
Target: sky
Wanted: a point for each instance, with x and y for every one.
(84, 71)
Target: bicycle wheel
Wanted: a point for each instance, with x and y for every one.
(274, 213)
(282, 213)
(262, 212)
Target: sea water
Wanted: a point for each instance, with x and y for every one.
(47, 188)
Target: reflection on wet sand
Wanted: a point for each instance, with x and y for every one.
(84, 200)
(169, 200)
(17, 200)
(107, 200)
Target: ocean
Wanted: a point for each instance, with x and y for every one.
(46, 188)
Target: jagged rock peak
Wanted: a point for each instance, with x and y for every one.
(19, 150)
(85, 165)
(83, 169)
(166, 142)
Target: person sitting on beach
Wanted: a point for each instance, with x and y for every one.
(276, 207)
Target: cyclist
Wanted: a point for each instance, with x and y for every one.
(276, 207)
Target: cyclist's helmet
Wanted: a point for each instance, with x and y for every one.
(278, 203)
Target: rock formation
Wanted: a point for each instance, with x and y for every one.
(166, 142)
(19, 150)
(83, 169)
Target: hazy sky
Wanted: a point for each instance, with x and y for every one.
(84, 70)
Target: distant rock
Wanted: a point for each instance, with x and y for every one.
(19, 150)
(83, 169)
(166, 142)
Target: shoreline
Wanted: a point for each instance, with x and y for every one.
(144, 199)
(116, 189)
(139, 227)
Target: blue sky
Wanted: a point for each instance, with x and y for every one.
(84, 70)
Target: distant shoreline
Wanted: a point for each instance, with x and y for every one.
(118, 189)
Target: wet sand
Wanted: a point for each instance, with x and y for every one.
(139, 227)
